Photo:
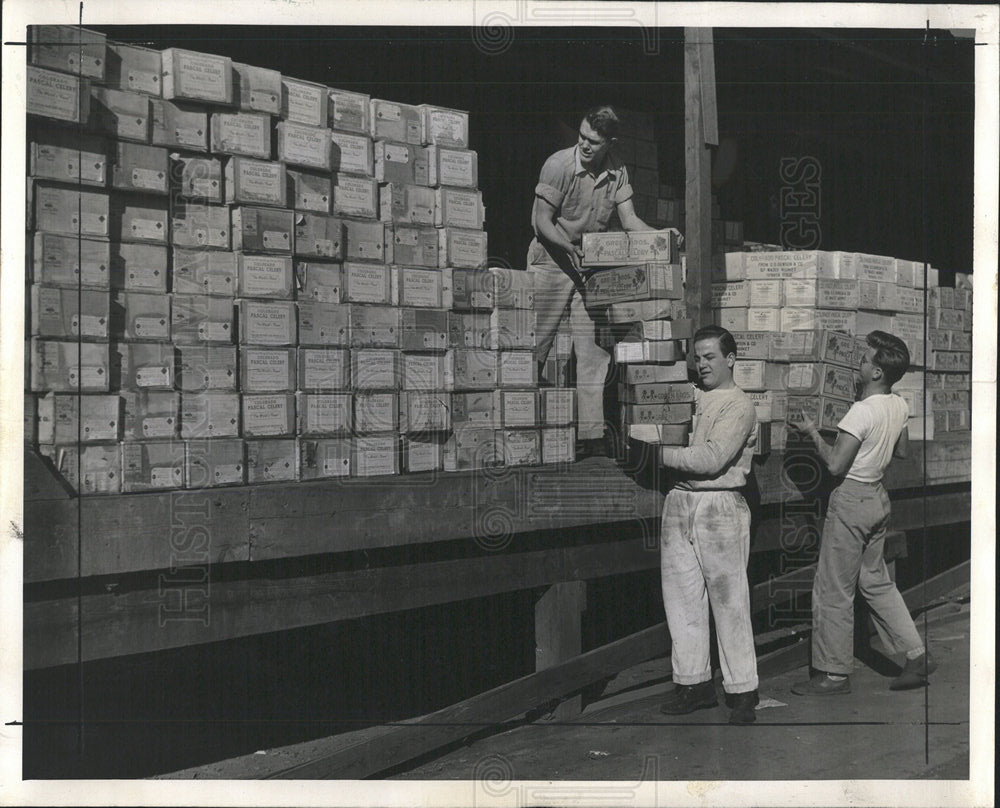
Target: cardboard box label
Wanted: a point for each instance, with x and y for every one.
(458, 208)
(57, 95)
(304, 102)
(366, 283)
(458, 167)
(323, 369)
(445, 127)
(352, 154)
(375, 368)
(355, 196)
(348, 111)
(255, 181)
(268, 414)
(305, 145)
(267, 323)
(375, 412)
(265, 276)
(613, 249)
(267, 370)
(464, 248)
(420, 287)
(203, 76)
(325, 414)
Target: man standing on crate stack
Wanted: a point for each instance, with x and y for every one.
(577, 191)
(705, 539)
(851, 548)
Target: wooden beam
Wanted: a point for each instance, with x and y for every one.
(401, 743)
(189, 608)
(557, 632)
(698, 182)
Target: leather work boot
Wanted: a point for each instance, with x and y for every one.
(743, 707)
(685, 699)
(822, 685)
(914, 673)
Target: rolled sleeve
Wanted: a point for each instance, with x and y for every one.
(623, 193)
(550, 194)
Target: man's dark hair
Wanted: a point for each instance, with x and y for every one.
(726, 341)
(603, 120)
(891, 355)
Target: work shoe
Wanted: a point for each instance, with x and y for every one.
(743, 707)
(685, 699)
(914, 673)
(822, 685)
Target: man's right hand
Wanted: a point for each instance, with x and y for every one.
(576, 258)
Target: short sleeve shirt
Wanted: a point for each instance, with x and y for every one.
(584, 202)
(877, 422)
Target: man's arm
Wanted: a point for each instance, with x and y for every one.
(838, 457)
(552, 234)
(724, 442)
(902, 446)
(629, 218)
(631, 221)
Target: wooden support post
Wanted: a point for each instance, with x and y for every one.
(700, 133)
(557, 633)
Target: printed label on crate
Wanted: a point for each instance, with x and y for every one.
(246, 133)
(366, 283)
(197, 75)
(465, 248)
(323, 369)
(355, 196)
(766, 293)
(56, 95)
(731, 295)
(375, 368)
(455, 167)
(821, 379)
(326, 413)
(423, 372)
(375, 455)
(267, 323)
(267, 370)
(518, 369)
(365, 240)
(304, 102)
(258, 181)
(445, 127)
(375, 412)
(752, 344)
(265, 275)
(612, 249)
(305, 145)
(419, 287)
(268, 414)
(347, 110)
(520, 408)
(352, 154)
(458, 208)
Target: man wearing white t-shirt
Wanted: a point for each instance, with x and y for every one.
(851, 550)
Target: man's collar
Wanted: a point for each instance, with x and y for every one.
(608, 167)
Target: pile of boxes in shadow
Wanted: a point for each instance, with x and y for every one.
(238, 277)
(633, 280)
(800, 321)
